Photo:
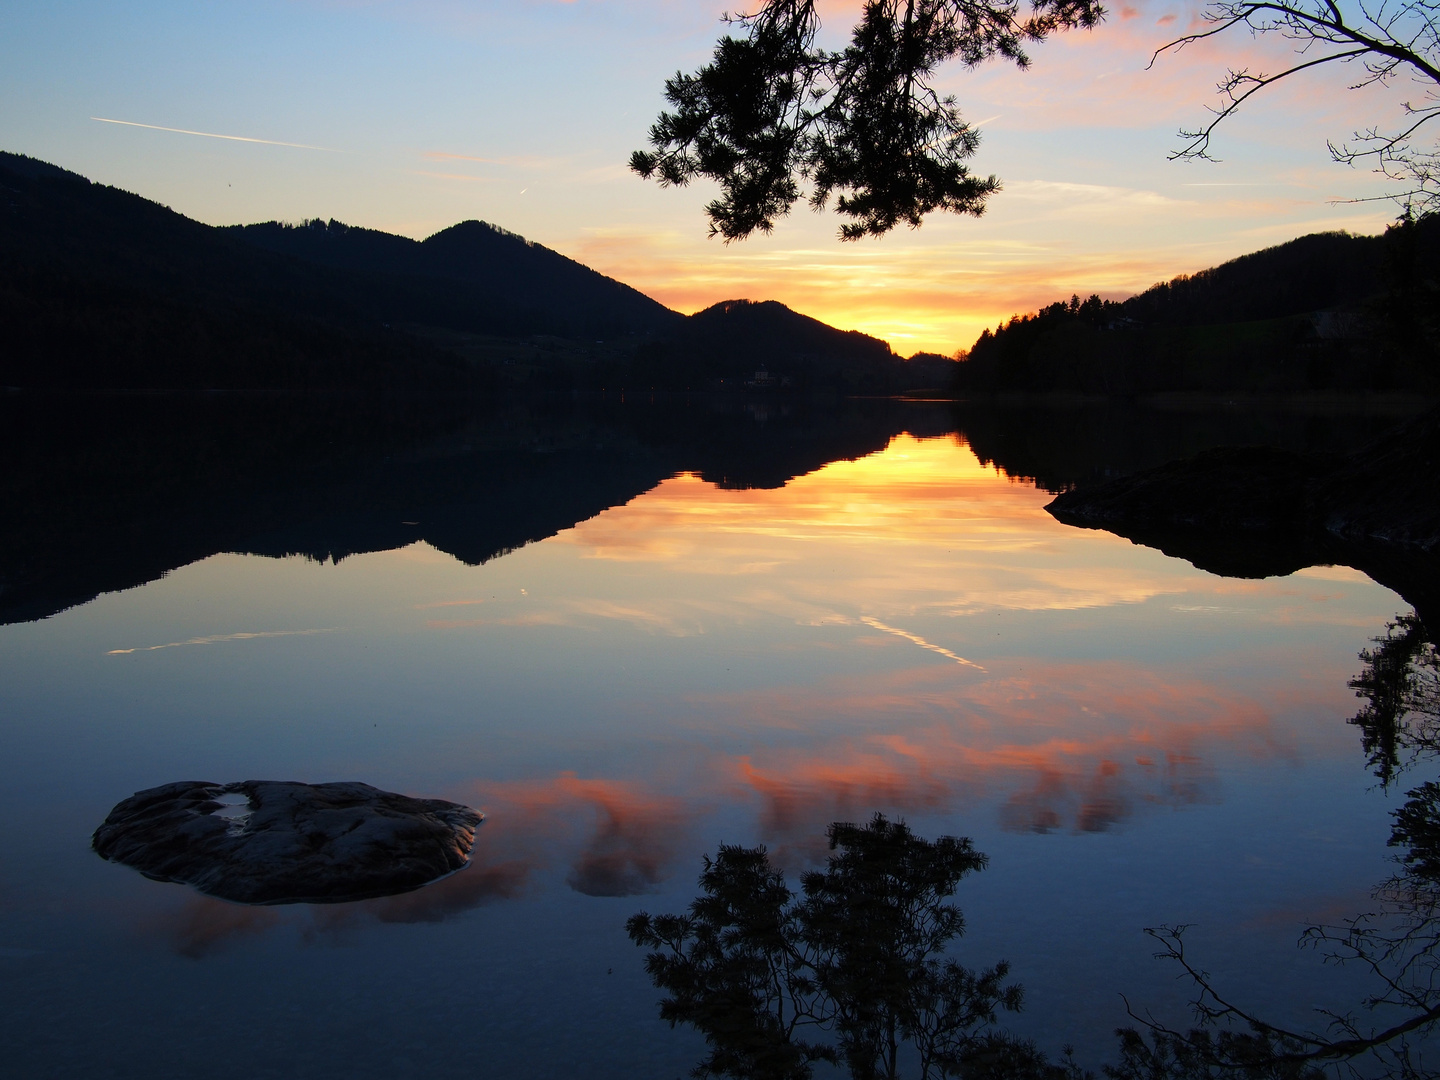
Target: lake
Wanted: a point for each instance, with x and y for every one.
(630, 632)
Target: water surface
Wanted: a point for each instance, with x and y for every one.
(718, 656)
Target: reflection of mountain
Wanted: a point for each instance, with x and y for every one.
(103, 493)
(1093, 447)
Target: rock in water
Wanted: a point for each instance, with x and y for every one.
(293, 843)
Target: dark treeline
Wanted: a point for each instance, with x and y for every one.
(102, 289)
(1325, 312)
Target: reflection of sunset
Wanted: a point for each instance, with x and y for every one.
(920, 527)
(893, 612)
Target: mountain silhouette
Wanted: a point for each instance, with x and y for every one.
(103, 289)
(739, 344)
(1310, 273)
(100, 288)
(561, 295)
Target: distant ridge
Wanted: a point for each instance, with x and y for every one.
(103, 289)
(563, 295)
(736, 344)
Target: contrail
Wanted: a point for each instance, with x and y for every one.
(213, 638)
(212, 135)
(918, 640)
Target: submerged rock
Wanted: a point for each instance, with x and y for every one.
(288, 843)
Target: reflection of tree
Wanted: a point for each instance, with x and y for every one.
(1400, 724)
(1397, 943)
(851, 971)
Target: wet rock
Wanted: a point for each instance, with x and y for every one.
(273, 842)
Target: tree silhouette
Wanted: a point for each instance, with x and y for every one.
(853, 971)
(1400, 724)
(1388, 40)
(774, 116)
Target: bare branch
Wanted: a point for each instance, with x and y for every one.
(1399, 37)
(1200, 140)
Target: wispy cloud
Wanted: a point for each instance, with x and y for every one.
(214, 135)
(213, 639)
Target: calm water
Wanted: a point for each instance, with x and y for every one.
(1132, 741)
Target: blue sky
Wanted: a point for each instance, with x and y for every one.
(523, 114)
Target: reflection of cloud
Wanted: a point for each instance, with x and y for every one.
(1078, 747)
(932, 506)
(469, 888)
(678, 619)
(478, 884)
(616, 873)
(213, 639)
(203, 925)
(1059, 747)
(633, 835)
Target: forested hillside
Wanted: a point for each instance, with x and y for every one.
(100, 288)
(1328, 311)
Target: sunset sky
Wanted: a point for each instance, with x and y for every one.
(409, 117)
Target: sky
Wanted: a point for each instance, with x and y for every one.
(412, 116)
